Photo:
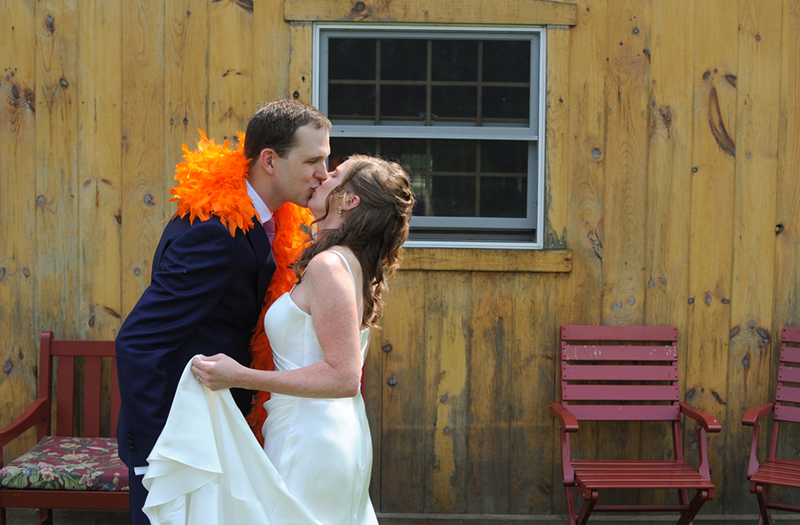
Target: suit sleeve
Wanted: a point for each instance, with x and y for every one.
(194, 271)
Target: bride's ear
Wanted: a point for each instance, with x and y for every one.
(351, 202)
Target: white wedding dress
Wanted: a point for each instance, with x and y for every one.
(207, 467)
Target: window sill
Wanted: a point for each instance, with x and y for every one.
(482, 260)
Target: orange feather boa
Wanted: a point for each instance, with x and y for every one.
(211, 181)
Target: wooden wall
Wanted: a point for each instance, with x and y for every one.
(673, 157)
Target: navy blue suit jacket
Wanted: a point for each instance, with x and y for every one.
(206, 293)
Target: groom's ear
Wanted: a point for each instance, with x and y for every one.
(267, 160)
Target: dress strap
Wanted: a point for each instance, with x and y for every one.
(342, 257)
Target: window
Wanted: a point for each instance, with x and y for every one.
(461, 109)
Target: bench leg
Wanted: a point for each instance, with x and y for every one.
(762, 493)
(694, 507)
(590, 500)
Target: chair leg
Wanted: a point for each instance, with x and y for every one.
(762, 494)
(45, 517)
(2, 516)
(590, 500)
(694, 507)
(570, 506)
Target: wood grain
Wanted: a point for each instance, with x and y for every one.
(18, 163)
(434, 11)
(453, 259)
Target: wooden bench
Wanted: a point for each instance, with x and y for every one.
(627, 373)
(66, 471)
(785, 409)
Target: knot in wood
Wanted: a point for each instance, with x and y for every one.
(41, 201)
(8, 366)
(360, 6)
(26, 272)
(392, 382)
(2, 273)
(296, 95)
(387, 348)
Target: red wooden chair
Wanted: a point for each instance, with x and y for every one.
(627, 373)
(786, 408)
(66, 471)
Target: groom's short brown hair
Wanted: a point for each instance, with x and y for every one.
(274, 125)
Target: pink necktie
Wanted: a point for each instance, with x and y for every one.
(269, 227)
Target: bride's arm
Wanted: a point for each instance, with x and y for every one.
(329, 293)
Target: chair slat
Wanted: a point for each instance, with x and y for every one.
(618, 353)
(619, 373)
(625, 412)
(70, 347)
(116, 401)
(92, 390)
(790, 354)
(620, 393)
(790, 335)
(789, 374)
(783, 413)
(65, 401)
(618, 333)
(788, 394)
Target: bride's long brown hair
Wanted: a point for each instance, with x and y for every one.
(375, 230)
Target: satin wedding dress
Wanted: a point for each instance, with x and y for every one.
(207, 467)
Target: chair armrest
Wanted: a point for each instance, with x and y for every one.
(37, 411)
(709, 422)
(569, 421)
(752, 416)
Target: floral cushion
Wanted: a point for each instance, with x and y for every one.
(70, 463)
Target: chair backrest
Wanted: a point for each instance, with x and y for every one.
(787, 397)
(620, 373)
(92, 354)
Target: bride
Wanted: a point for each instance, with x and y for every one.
(316, 437)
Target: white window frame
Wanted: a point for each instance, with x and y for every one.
(536, 135)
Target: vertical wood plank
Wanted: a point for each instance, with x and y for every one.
(751, 342)
(668, 197)
(402, 418)
(489, 370)
(56, 166)
(230, 70)
(99, 178)
(185, 82)
(18, 314)
(711, 245)
(579, 298)
(625, 198)
(446, 395)
(557, 138)
(372, 399)
(270, 53)
(300, 61)
(143, 143)
(533, 384)
(787, 248)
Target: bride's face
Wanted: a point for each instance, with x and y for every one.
(317, 202)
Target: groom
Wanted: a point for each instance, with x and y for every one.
(212, 268)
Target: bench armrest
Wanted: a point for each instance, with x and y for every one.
(709, 422)
(37, 411)
(752, 416)
(568, 420)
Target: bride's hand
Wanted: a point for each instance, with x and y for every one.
(216, 372)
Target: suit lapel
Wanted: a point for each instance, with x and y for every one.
(266, 262)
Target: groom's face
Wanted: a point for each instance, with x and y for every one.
(303, 169)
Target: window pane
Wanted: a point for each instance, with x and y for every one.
(504, 195)
(453, 196)
(403, 101)
(506, 103)
(453, 155)
(503, 156)
(341, 148)
(347, 100)
(506, 61)
(455, 60)
(351, 58)
(454, 103)
(403, 59)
